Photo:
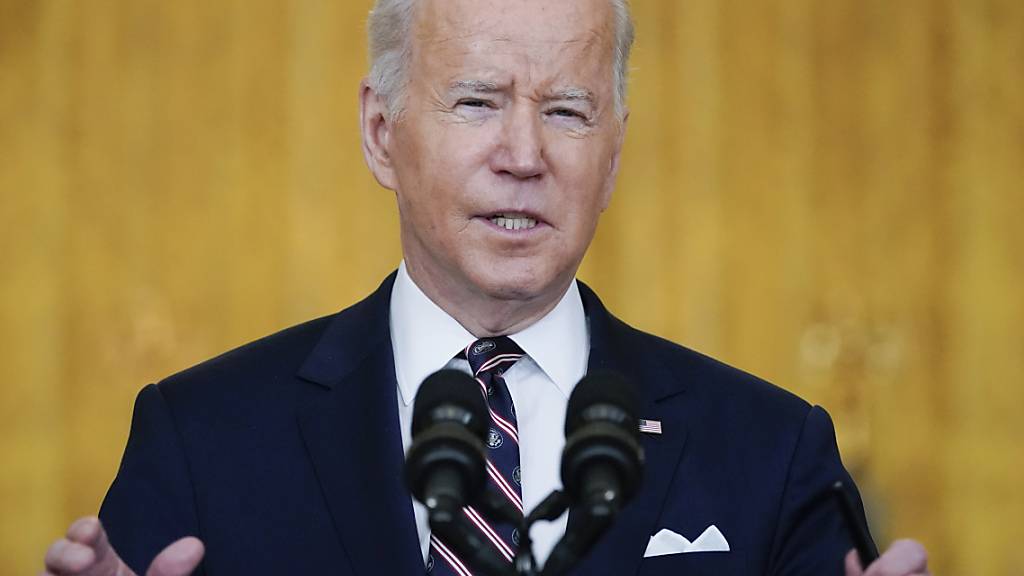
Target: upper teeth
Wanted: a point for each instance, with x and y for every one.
(513, 221)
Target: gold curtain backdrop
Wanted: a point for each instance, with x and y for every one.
(828, 194)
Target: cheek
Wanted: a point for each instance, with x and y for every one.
(452, 158)
(583, 175)
(423, 184)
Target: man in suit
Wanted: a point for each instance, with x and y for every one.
(498, 125)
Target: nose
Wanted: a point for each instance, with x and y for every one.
(521, 153)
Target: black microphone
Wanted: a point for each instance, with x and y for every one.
(446, 466)
(602, 463)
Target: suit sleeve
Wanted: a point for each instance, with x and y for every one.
(810, 537)
(151, 502)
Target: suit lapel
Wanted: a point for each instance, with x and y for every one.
(351, 430)
(614, 347)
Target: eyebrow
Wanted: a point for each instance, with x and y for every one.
(473, 86)
(574, 95)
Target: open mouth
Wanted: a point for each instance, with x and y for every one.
(512, 221)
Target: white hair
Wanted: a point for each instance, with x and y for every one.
(390, 42)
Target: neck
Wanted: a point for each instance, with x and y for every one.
(482, 315)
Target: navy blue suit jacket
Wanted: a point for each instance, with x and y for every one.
(285, 457)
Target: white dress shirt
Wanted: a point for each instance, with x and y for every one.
(426, 339)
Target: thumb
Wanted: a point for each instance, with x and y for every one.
(853, 564)
(178, 559)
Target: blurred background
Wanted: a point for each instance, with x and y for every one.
(829, 194)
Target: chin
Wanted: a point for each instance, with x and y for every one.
(507, 283)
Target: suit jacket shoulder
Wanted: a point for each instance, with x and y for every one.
(717, 381)
(323, 350)
(224, 388)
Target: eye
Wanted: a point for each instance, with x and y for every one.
(566, 113)
(568, 116)
(474, 103)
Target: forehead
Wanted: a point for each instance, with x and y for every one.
(548, 38)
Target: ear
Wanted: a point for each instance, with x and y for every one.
(376, 127)
(613, 167)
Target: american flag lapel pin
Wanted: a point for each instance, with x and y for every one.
(650, 426)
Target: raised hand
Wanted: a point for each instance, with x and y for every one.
(903, 558)
(85, 551)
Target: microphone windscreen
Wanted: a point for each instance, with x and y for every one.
(454, 389)
(599, 388)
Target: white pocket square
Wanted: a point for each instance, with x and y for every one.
(668, 542)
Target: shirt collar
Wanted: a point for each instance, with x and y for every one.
(425, 338)
(559, 342)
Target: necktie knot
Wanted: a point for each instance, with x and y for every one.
(492, 355)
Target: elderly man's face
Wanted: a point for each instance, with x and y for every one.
(507, 151)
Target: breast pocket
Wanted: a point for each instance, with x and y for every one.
(695, 564)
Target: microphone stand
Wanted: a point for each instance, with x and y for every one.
(549, 509)
(553, 506)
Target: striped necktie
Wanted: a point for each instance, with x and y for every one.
(489, 358)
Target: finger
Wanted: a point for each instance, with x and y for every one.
(904, 557)
(89, 531)
(66, 556)
(84, 530)
(853, 567)
(178, 559)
